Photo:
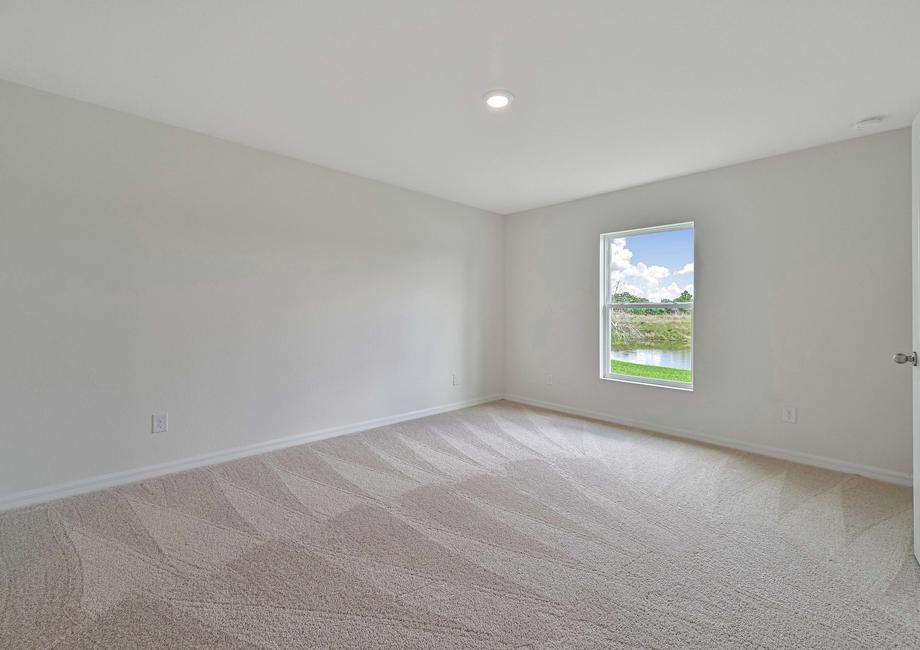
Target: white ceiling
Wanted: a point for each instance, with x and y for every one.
(609, 93)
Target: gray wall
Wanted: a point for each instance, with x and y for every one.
(145, 268)
(802, 294)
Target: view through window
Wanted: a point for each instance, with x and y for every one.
(647, 305)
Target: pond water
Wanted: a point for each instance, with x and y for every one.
(679, 359)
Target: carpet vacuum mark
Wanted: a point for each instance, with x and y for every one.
(495, 526)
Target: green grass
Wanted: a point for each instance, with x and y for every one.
(650, 372)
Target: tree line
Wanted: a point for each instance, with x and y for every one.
(625, 296)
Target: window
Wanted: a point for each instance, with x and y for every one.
(647, 306)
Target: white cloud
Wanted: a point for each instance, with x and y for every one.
(657, 294)
(640, 279)
(619, 254)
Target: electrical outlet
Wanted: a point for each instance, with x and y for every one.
(549, 379)
(790, 414)
(160, 422)
(456, 380)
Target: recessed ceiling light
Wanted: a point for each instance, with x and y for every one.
(498, 99)
(869, 122)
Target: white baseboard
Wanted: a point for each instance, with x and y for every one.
(92, 484)
(878, 473)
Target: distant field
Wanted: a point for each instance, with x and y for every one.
(650, 331)
(650, 372)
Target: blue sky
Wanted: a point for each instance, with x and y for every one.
(672, 249)
(654, 266)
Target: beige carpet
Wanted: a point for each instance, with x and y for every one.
(489, 527)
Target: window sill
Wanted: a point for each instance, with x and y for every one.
(642, 381)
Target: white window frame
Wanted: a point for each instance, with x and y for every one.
(606, 306)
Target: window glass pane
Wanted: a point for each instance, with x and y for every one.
(652, 343)
(654, 271)
(652, 267)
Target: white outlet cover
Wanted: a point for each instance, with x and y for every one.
(160, 422)
(790, 414)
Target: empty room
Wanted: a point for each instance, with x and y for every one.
(440, 324)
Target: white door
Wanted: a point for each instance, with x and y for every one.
(915, 280)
